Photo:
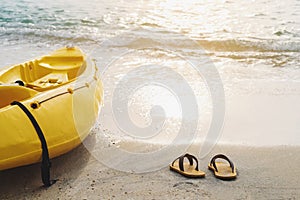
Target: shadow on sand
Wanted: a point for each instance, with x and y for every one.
(64, 168)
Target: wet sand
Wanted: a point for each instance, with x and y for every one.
(263, 173)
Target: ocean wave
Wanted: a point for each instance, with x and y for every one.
(174, 40)
(238, 45)
(87, 31)
(13, 35)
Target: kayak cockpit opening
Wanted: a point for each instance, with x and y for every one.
(45, 73)
(23, 81)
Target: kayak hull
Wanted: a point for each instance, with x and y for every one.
(65, 108)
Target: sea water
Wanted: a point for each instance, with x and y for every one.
(253, 45)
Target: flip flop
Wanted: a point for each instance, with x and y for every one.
(187, 169)
(222, 170)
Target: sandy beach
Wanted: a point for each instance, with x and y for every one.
(263, 173)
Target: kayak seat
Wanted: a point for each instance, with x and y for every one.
(10, 93)
(72, 70)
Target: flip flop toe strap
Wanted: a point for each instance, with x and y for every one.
(213, 162)
(191, 159)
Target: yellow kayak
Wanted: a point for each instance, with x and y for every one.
(56, 97)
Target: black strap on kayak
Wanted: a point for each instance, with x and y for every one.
(46, 164)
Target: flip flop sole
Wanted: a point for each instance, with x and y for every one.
(224, 171)
(188, 172)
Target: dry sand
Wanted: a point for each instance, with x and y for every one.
(264, 173)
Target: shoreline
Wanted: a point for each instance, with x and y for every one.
(263, 173)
